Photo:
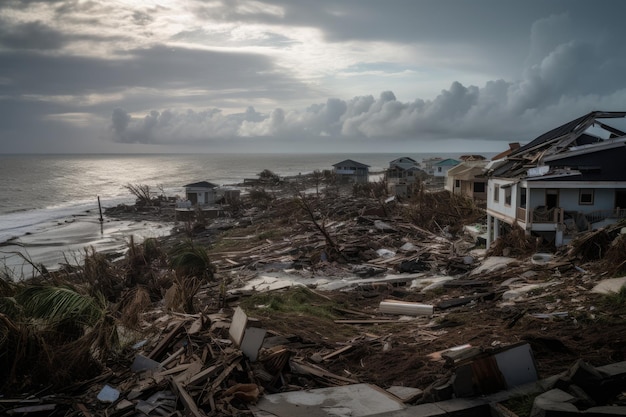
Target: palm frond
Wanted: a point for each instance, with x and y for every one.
(56, 304)
(189, 259)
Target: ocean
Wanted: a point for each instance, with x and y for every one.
(49, 203)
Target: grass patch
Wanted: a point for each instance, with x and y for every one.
(616, 299)
(299, 300)
(299, 311)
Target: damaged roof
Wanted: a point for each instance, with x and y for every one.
(560, 149)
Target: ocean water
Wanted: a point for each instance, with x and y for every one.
(49, 203)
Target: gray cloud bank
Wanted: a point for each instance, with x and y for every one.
(517, 71)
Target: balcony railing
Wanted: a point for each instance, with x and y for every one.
(545, 215)
(556, 215)
(600, 215)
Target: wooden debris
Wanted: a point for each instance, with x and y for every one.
(405, 308)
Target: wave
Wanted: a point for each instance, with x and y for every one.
(22, 222)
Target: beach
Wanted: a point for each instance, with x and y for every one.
(65, 241)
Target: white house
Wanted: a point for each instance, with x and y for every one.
(201, 193)
(570, 179)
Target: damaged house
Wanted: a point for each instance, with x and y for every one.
(568, 180)
(402, 174)
(467, 179)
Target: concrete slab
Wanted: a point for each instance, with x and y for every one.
(554, 403)
(405, 394)
(349, 400)
(491, 264)
(606, 410)
(252, 342)
(238, 326)
(461, 407)
(517, 365)
(607, 286)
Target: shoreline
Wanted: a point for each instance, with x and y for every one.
(65, 241)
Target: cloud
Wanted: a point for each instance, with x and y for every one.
(299, 73)
(30, 36)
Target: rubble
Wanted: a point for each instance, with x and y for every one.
(320, 313)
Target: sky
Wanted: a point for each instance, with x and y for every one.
(210, 76)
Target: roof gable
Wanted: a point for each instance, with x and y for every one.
(403, 160)
(350, 162)
(447, 162)
(201, 184)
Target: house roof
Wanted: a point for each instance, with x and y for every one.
(400, 163)
(560, 144)
(403, 160)
(471, 157)
(512, 147)
(447, 162)
(567, 133)
(201, 184)
(467, 170)
(350, 162)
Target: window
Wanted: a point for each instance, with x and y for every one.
(457, 183)
(496, 193)
(439, 169)
(507, 196)
(522, 197)
(585, 197)
(479, 187)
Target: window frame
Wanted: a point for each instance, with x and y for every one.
(586, 191)
(508, 196)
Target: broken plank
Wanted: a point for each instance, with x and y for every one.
(172, 357)
(310, 369)
(370, 321)
(166, 341)
(190, 405)
(337, 352)
(202, 375)
(174, 370)
(218, 381)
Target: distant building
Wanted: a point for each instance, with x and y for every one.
(402, 174)
(349, 171)
(467, 158)
(467, 179)
(441, 168)
(428, 164)
(201, 193)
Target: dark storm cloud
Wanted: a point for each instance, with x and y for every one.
(158, 67)
(31, 35)
(502, 71)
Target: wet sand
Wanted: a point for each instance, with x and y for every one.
(65, 241)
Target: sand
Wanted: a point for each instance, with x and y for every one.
(65, 241)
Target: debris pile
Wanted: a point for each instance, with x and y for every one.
(341, 297)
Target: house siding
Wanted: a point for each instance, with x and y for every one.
(499, 208)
